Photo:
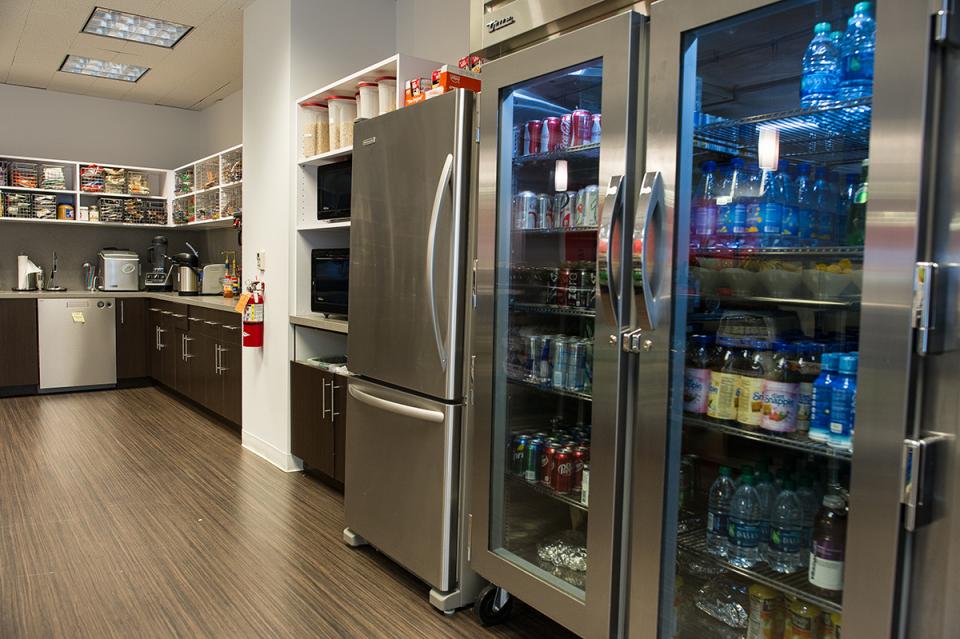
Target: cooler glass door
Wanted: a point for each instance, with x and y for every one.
(407, 230)
(771, 408)
(557, 126)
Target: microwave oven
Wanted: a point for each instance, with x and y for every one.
(329, 275)
(333, 191)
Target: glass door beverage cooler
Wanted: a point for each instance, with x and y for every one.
(558, 127)
(773, 382)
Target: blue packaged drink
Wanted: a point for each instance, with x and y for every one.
(822, 398)
(786, 194)
(821, 69)
(806, 210)
(771, 210)
(843, 406)
(856, 54)
(731, 206)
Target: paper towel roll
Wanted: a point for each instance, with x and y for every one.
(24, 268)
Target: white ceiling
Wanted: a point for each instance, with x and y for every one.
(207, 64)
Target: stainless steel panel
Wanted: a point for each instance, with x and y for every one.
(78, 343)
(402, 478)
(617, 42)
(407, 245)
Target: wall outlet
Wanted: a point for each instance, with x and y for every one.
(261, 260)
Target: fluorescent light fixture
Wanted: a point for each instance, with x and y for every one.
(768, 148)
(136, 28)
(560, 176)
(102, 68)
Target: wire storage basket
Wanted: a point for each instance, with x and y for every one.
(18, 205)
(111, 209)
(230, 201)
(137, 183)
(208, 173)
(23, 175)
(139, 211)
(208, 206)
(114, 181)
(4, 173)
(231, 166)
(183, 210)
(45, 206)
(91, 178)
(52, 177)
(183, 181)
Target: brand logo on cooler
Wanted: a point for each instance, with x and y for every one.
(500, 23)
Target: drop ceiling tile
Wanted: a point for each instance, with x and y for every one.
(69, 82)
(190, 12)
(30, 74)
(105, 88)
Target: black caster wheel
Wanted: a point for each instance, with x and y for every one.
(494, 605)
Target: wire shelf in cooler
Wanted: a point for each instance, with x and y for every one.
(564, 230)
(799, 302)
(695, 541)
(572, 499)
(582, 152)
(798, 443)
(779, 251)
(552, 309)
(551, 390)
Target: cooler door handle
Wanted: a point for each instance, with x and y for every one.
(608, 251)
(431, 254)
(648, 235)
(422, 414)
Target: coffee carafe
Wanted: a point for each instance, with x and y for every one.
(188, 279)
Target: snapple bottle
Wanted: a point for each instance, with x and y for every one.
(753, 368)
(696, 377)
(781, 390)
(724, 382)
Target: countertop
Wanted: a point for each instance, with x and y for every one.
(214, 302)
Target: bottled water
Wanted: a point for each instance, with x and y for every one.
(823, 397)
(843, 405)
(704, 214)
(786, 195)
(718, 511)
(856, 54)
(749, 233)
(743, 529)
(821, 69)
(732, 206)
(768, 494)
(785, 551)
(825, 206)
(809, 503)
(771, 210)
(844, 202)
(806, 211)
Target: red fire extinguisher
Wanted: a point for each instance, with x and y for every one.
(253, 317)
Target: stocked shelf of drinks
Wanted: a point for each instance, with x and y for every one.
(797, 442)
(570, 499)
(553, 390)
(556, 230)
(762, 252)
(553, 309)
(589, 151)
(732, 299)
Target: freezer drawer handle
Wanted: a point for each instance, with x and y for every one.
(393, 407)
(431, 254)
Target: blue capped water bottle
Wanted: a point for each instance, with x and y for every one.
(825, 208)
(821, 69)
(806, 209)
(786, 194)
(843, 406)
(823, 397)
(770, 207)
(732, 206)
(844, 202)
(856, 55)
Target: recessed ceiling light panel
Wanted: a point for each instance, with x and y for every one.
(102, 68)
(130, 26)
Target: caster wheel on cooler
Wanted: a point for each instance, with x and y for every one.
(494, 605)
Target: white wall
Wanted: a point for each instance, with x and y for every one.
(434, 29)
(223, 123)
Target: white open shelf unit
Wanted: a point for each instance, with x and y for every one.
(219, 177)
(311, 233)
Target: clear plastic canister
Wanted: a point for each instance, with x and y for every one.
(387, 91)
(308, 129)
(323, 128)
(333, 122)
(346, 116)
(369, 104)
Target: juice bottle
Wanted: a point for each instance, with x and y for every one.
(803, 620)
(810, 353)
(724, 382)
(696, 377)
(781, 391)
(753, 368)
(828, 546)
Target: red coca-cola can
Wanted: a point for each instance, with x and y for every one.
(534, 129)
(580, 457)
(582, 127)
(563, 470)
(546, 463)
(553, 134)
(566, 130)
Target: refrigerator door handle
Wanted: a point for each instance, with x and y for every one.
(651, 206)
(608, 256)
(431, 253)
(393, 407)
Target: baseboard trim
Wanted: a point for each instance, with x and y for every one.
(284, 461)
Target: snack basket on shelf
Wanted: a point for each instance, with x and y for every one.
(52, 177)
(111, 209)
(24, 175)
(18, 205)
(92, 178)
(115, 180)
(44, 206)
(137, 183)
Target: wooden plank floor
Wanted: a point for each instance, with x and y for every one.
(128, 514)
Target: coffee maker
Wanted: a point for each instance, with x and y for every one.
(159, 277)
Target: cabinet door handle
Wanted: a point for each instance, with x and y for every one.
(160, 332)
(231, 328)
(153, 310)
(223, 369)
(208, 322)
(121, 312)
(178, 315)
(166, 313)
(332, 398)
(323, 397)
(156, 338)
(195, 319)
(216, 359)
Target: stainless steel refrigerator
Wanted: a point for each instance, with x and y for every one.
(759, 223)
(408, 278)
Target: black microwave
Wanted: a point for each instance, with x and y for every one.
(329, 275)
(333, 191)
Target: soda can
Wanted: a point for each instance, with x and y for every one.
(553, 281)
(531, 459)
(563, 471)
(582, 127)
(544, 138)
(563, 285)
(558, 361)
(566, 130)
(580, 457)
(545, 218)
(575, 373)
(564, 205)
(546, 462)
(526, 210)
(588, 367)
(551, 133)
(573, 288)
(580, 209)
(595, 128)
(531, 364)
(591, 205)
(518, 453)
(588, 285)
(544, 372)
(533, 131)
(518, 139)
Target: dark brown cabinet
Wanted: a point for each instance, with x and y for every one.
(18, 343)
(162, 341)
(132, 327)
(318, 404)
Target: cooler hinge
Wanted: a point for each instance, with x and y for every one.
(934, 309)
(918, 468)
